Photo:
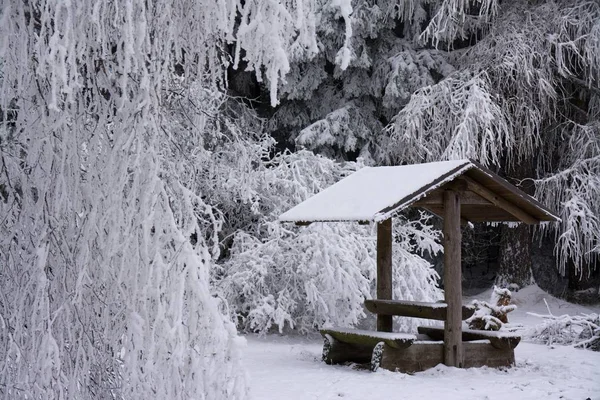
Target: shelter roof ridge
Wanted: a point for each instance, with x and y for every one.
(377, 193)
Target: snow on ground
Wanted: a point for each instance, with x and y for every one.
(290, 368)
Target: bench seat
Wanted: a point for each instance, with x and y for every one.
(500, 340)
(370, 338)
(361, 346)
(416, 309)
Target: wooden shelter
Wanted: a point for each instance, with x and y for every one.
(459, 191)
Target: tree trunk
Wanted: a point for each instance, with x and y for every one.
(515, 243)
(515, 257)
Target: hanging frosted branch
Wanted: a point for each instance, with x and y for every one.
(457, 19)
(273, 33)
(456, 118)
(346, 129)
(575, 191)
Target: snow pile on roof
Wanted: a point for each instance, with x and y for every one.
(369, 193)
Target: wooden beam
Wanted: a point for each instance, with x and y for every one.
(439, 211)
(436, 311)
(504, 341)
(302, 223)
(466, 198)
(384, 271)
(453, 348)
(500, 201)
(421, 356)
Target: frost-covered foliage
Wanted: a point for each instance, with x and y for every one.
(459, 19)
(575, 190)
(507, 83)
(104, 253)
(581, 331)
(307, 277)
(345, 129)
(534, 57)
(455, 119)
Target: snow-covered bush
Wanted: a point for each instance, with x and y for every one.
(581, 331)
(307, 277)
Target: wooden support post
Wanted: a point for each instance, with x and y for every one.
(453, 349)
(384, 271)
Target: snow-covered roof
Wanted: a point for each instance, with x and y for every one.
(376, 193)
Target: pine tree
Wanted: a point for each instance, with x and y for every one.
(514, 85)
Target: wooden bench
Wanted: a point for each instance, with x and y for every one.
(358, 346)
(500, 340)
(414, 309)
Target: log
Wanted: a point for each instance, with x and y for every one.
(453, 353)
(384, 271)
(499, 340)
(369, 338)
(485, 355)
(376, 356)
(436, 311)
(336, 352)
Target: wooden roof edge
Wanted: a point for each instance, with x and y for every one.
(362, 221)
(425, 190)
(422, 192)
(514, 189)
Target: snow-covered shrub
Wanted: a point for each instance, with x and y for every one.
(307, 277)
(581, 331)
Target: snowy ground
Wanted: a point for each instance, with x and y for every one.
(291, 369)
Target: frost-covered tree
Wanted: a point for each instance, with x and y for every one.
(104, 253)
(283, 276)
(512, 84)
(528, 87)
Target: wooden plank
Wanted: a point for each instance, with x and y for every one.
(384, 271)
(370, 338)
(466, 198)
(436, 311)
(510, 192)
(499, 201)
(418, 357)
(503, 340)
(485, 355)
(423, 355)
(453, 353)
